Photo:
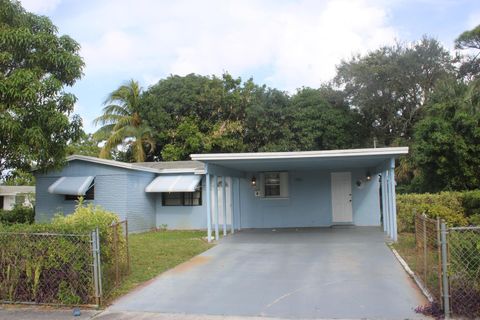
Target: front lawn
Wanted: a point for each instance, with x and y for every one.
(152, 253)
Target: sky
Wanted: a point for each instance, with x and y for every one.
(285, 44)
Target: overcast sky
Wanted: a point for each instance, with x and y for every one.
(284, 44)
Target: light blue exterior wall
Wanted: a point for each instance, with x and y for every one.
(309, 203)
(116, 189)
(188, 217)
(122, 191)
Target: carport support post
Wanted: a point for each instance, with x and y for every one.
(394, 200)
(232, 205)
(215, 204)
(384, 201)
(224, 205)
(209, 208)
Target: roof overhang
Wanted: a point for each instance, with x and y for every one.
(303, 160)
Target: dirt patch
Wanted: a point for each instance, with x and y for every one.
(194, 262)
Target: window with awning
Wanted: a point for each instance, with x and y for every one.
(72, 186)
(175, 183)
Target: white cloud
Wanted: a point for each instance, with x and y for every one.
(40, 6)
(293, 43)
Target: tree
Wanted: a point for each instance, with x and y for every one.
(36, 64)
(85, 146)
(19, 178)
(122, 124)
(390, 86)
(446, 149)
(318, 125)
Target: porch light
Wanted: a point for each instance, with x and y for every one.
(254, 182)
(368, 176)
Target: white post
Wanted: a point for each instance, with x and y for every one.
(215, 204)
(386, 210)
(239, 227)
(209, 208)
(394, 200)
(232, 206)
(389, 211)
(224, 204)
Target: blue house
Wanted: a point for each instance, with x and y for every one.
(229, 192)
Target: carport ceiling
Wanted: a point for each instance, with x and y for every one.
(297, 161)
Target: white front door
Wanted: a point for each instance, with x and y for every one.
(341, 197)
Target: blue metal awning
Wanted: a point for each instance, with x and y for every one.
(174, 183)
(71, 185)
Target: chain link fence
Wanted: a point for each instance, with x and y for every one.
(46, 268)
(447, 262)
(118, 256)
(63, 269)
(427, 247)
(464, 271)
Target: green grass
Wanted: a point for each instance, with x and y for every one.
(405, 246)
(152, 253)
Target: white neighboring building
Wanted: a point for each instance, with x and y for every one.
(11, 195)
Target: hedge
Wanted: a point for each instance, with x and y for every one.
(36, 266)
(456, 208)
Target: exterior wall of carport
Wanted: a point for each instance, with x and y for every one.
(116, 189)
(309, 203)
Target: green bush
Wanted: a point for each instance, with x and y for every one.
(18, 214)
(471, 202)
(45, 268)
(446, 205)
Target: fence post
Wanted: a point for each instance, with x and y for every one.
(445, 293)
(126, 240)
(93, 237)
(425, 248)
(99, 262)
(439, 261)
(115, 253)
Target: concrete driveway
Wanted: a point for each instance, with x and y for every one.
(304, 273)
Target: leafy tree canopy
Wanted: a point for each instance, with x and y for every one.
(390, 86)
(36, 64)
(446, 151)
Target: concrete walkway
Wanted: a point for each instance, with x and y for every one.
(305, 273)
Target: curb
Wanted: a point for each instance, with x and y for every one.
(405, 266)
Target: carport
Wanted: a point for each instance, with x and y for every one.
(354, 187)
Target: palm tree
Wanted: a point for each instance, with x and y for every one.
(122, 124)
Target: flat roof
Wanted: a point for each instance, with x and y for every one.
(392, 151)
(303, 160)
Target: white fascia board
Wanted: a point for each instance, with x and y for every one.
(182, 170)
(112, 163)
(394, 151)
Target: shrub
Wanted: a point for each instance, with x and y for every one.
(446, 205)
(55, 269)
(18, 214)
(471, 202)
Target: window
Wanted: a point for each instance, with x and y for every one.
(1, 202)
(182, 198)
(272, 184)
(89, 195)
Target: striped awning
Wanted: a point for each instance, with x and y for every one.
(174, 183)
(77, 186)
